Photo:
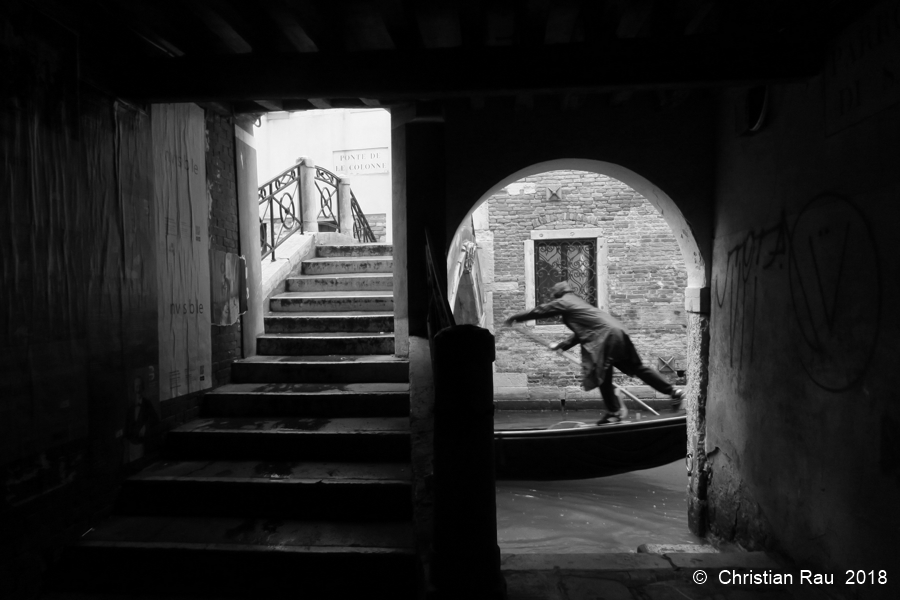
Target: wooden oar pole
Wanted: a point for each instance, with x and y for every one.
(536, 338)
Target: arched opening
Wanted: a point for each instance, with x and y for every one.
(668, 209)
(619, 212)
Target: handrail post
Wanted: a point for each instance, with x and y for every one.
(345, 213)
(466, 555)
(272, 227)
(308, 195)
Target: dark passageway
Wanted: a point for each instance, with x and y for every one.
(765, 133)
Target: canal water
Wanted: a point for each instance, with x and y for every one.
(606, 514)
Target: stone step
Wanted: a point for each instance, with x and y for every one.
(307, 400)
(361, 439)
(349, 321)
(362, 368)
(251, 558)
(343, 250)
(337, 491)
(348, 264)
(274, 344)
(340, 283)
(375, 301)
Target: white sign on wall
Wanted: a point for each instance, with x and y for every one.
(366, 161)
(182, 208)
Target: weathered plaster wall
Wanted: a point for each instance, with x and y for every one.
(79, 348)
(223, 229)
(78, 298)
(803, 414)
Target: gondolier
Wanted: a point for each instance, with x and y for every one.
(604, 344)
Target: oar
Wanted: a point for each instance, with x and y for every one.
(536, 338)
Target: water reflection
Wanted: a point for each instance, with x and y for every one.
(607, 514)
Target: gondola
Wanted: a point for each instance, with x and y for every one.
(573, 450)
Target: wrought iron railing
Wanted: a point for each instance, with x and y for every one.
(281, 208)
(361, 230)
(328, 184)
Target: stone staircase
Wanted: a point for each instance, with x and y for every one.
(296, 480)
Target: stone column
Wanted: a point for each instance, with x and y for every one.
(419, 202)
(248, 224)
(696, 303)
(345, 213)
(308, 195)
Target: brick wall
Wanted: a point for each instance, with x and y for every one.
(378, 223)
(223, 230)
(646, 278)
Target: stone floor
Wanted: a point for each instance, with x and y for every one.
(642, 576)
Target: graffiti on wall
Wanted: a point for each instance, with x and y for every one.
(828, 259)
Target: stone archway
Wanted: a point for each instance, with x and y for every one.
(693, 259)
(696, 306)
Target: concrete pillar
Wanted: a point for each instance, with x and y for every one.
(466, 555)
(697, 307)
(248, 229)
(309, 195)
(345, 213)
(398, 208)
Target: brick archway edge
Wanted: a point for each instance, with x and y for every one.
(668, 209)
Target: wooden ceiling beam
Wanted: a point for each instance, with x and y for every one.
(440, 26)
(273, 105)
(531, 22)
(635, 18)
(597, 21)
(366, 29)
(561, 21)
(322, 21)
(472, 23)
(401, 23)
(255, 24)
(194, 31)
(215, 22)
(286, 21)
(440, 73)
(500, 24)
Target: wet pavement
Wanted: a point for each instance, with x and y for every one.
(645, 576)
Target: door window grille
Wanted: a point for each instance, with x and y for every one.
(574, 261)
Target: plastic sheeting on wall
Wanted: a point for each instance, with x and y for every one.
(78, 313)
(182, 204)
(229, 287)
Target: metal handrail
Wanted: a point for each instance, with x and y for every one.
(439, 314)
(283, 195)
(361, 230)
(279, 194)
(327, 195)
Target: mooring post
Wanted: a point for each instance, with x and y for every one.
(466, 555)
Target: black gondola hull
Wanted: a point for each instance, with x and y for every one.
(587, 452)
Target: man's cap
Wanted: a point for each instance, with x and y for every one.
(561, 288)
